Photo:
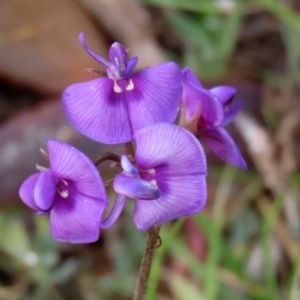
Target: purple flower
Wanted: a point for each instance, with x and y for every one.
(109, 109)
(71, 191)
(206, 112)
(168, 180)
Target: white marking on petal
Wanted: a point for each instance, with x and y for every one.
(64, 193)
(64, 181)
(117, 89)
(151, 171)
(130, 86)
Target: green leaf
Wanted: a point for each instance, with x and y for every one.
(282, 11)
(184, 289)
(14, 238)
(205, 6)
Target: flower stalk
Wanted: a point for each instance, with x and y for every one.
(106, 156)
(153, 242)
(130, 151)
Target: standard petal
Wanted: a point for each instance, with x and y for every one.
(191, 95)
(76, 218)
(98, 112)
(72, 166)
(45, 190)
(96, 56)
(26, 191)
(231, 113)
(115, 212)
(224, 93)
(180, 196)
(135, 187)
(220, 142)
(154, 95)
(169, 149)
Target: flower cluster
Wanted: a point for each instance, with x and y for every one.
(166, 176)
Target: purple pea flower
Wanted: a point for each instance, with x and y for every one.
(168, 180)
(109, 109)
(206, 112)
(72, 191)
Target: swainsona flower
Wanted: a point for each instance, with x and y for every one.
(206, 112)
(109, 109)
(168, 180)
(72, 191)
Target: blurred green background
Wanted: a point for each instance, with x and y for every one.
(245, 244)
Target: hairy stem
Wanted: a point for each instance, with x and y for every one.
(153, 242)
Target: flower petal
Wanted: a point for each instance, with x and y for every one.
(76, 218)
(154, 95)
(115, 212)
(220, 142)
(191, 95)
(212, 110)
(26, 191)
(98, 112)
(174, 158)
(69, 164)
(191, 77)
(180, 196)
(231, 113)
(45, 190)
(169, 149)
(130, 66)
(96, 56)
(127, 166)
(224, 93)
(135, 187)
(118, 57)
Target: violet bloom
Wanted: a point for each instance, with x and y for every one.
(71, 191)
(168, 180)
(206, 112)
(109, 109)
